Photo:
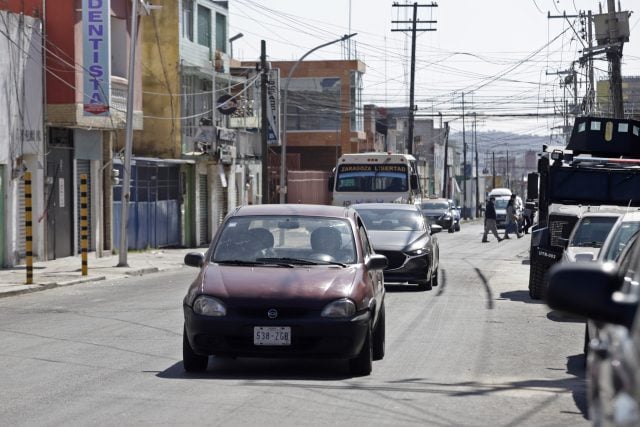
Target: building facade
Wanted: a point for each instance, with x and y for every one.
(630, 96)
(82, 102)
(324, 119)
(22, 133)
(195, 151)
(201, 110)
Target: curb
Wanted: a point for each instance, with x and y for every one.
(52, 285)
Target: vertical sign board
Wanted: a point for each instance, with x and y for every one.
(273, 107)
(96, 57)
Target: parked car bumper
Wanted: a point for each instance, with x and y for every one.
(403, 268)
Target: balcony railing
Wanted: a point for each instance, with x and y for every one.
(119, 89)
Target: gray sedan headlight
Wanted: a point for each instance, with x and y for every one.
(418, 247)
(208, 306)
(420, 251)
(341, 308)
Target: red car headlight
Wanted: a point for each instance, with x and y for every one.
(341, 308)
(208, 306)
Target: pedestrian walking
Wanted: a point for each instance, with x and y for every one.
(490, 220)
(511, 220)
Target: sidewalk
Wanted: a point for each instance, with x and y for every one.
(68, 271)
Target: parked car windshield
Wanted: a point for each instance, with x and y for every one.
(264, 238)
(592, 232)
(620, 240)
(392, 219)
(501, 203)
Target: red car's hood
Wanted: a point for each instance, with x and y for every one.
(317, 282)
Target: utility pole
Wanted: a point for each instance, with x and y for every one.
(613, 55)
(493, 167)
(413, 30)
(445, 187)
(475, 143)
(126, 184)
(611, 34)
(564, 110)
(591, 101)
(464, 165)
(571, 76)
(264, 81)
(508, 172)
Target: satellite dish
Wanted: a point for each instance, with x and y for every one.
(227, 104)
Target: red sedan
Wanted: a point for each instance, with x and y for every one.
(287, 281)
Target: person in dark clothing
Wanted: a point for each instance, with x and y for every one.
(490, 220)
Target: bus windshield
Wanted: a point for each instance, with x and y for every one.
(372, 178)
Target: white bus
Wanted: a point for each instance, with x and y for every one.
(375, 178)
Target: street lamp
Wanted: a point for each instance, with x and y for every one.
(232, 39)
(283, 151)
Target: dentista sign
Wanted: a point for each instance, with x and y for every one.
(96, 57)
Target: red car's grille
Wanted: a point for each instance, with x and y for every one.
(283, 312)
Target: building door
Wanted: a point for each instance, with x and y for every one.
(59, 202)
(154, 209)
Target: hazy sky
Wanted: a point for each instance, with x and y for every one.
(504, 55)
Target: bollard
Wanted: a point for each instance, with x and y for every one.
(28, 227)
(84, 227)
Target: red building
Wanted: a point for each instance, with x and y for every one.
(85, 63)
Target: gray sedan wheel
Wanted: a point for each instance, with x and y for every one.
(424, 285)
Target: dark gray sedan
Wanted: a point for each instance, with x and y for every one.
(441, 212)
(400, 232)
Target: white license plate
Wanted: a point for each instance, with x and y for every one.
(272, 335)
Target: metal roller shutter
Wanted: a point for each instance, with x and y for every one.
(220, 196)
(22, 231)
(203, 209)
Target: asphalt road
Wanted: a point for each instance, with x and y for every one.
(475, 351)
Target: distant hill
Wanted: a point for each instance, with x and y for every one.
(497, 141)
